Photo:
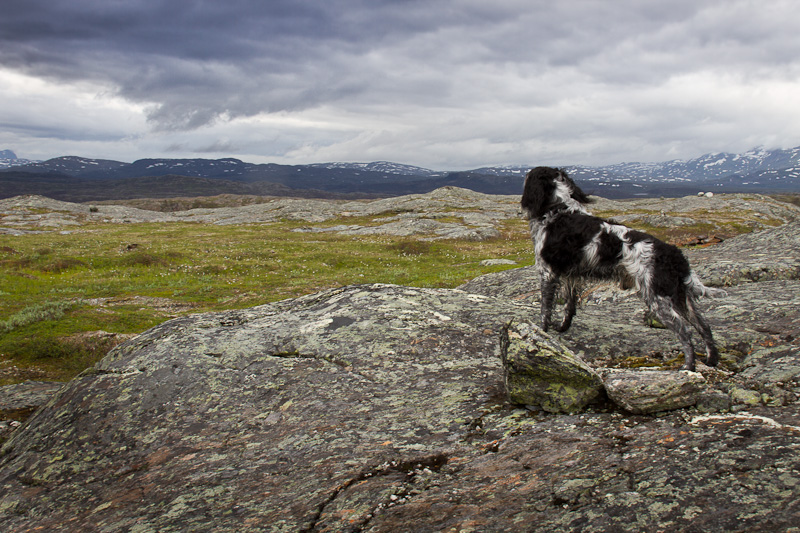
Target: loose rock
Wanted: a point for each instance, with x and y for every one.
(650, 391)
(539, 372)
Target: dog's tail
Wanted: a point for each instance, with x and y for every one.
(696, 288)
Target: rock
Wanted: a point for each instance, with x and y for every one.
(771, 254)
(288, 413)
(745, 397)
(773, 364)
(495, 262)
(757, 205)
(517, 284)
(651, 391)
(429, 228)
(539, 372)
(658, 221)
(699, 240)
(713, 401)
(20, 400)
(479, 212)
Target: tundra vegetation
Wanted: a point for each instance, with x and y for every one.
(126, 278)
(69, 294)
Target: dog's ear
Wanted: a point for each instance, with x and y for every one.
(575, 192)
(538, 191)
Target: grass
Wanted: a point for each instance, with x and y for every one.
(125, 278)
(56, 289)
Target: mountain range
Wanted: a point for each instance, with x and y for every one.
(74, 178)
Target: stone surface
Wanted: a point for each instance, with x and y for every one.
(269, 413)
(539, 372)
(494, 262)
(383, 408)
(771, 254)
(472, 215)
(430, 229)
(649, 391)
(18, 401)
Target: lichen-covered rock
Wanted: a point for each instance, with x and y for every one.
(650, 391)
(20, 400)
(770, 254)
(279, 417)
(539, 372)
(427, 228)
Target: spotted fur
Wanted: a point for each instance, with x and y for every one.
(571, 246)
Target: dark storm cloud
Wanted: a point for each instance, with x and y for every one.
(493, 79)
(198, 60)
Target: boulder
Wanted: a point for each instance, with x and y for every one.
(308, 413)
(18, 401)
(539, 372)
(495, 262)
(649, 391)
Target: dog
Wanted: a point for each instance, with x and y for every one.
(572, 246)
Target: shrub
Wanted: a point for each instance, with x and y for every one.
(143, 259)
(35, 313)
(60, 265)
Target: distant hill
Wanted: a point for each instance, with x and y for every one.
(10, 159)
(82, 179)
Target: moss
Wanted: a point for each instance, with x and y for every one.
(539, 374)
(640, 362)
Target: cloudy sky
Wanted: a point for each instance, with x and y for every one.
(443, 84)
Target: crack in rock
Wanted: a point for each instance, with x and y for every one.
(398, 491)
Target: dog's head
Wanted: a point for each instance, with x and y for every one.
(547, 189)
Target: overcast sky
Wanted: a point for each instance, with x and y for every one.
(443, 84)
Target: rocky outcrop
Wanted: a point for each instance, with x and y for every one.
(384, 408)
(772, 254)
(446, 213)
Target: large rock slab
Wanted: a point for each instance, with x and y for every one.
(373, 408)
(262, 416)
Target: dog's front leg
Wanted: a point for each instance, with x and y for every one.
(549, 286)
(572, 291)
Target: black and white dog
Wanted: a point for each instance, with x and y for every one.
(572, 246)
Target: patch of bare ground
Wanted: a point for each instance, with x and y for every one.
(165, 306)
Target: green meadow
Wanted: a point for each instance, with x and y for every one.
(57, 288)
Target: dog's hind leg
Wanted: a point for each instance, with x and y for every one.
(571, 290)
(549, 286)
(704, 330)
(666, 311)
